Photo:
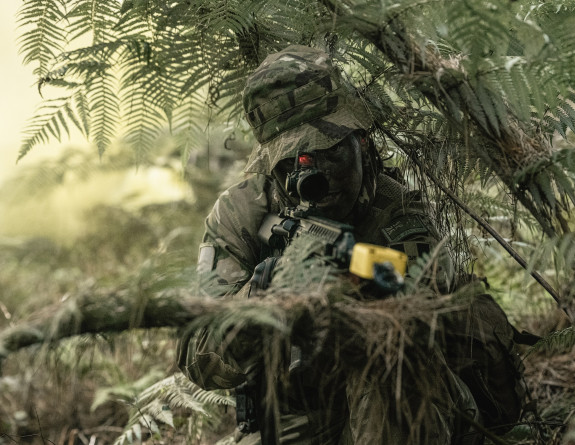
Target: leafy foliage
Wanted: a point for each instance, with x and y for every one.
(157, 402)
(488, 82)
(45, 37)
(37, 273)
(476, 95)
(563, 340)
(127, 367)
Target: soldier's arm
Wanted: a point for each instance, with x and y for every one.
(230, 250)
(230, 247)
(413, 232)
(406, 224)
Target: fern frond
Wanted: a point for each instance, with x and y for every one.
(155, 404)
(45, 35)
(556, 254)
(189, 124)
(181, 392)
(133, 432)
(487, 81)
(145, 123)
(488, 100)
(520, 95)
(96, 18)
(104, 109)
(478, 30)
(82, 113)
(551, 180)
(49, 123)
(556, 342)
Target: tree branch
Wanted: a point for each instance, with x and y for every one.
(94, 311)
(486, 226)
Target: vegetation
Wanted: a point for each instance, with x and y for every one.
(472, 100)
(109, 387)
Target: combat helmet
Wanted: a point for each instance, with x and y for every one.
(296, 100)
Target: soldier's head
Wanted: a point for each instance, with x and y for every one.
(297, 102)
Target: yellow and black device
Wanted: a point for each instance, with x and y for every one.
(365, 257)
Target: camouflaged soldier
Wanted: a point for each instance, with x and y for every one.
(297, 101)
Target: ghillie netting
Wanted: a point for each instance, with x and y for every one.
(387, 357)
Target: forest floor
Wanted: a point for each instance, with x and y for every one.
(550, 379)
(551, 382)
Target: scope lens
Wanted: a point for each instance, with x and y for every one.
(312, 186)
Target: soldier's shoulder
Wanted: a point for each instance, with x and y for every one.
(392, 189)
(400, 212)
(248, 189)
(251, 182)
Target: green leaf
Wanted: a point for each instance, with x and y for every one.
(564, 182)
(543, 181)
(521, 98)
(486, 102)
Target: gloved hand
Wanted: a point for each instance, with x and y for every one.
(388, 280)
(262, 276)
(213, 361)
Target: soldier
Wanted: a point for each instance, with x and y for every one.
(297, 101)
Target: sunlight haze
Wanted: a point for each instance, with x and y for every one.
(19, 96)
(60, 212)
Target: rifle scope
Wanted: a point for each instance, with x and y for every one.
(306, 181)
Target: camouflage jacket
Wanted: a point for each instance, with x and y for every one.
(231, 249)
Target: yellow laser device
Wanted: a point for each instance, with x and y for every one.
(364, 256)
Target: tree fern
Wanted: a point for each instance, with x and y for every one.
(468, 87)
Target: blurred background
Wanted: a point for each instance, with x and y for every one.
(58, 213)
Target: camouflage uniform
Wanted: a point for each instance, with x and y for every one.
(310, 109)
(395, 218)
(297, 101)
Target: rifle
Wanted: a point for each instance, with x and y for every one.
(252, 414)
(385, 266)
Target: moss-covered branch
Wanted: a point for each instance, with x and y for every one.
(95, 311)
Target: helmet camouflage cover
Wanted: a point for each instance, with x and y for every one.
(297, 101)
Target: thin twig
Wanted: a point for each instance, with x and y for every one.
(484, 224)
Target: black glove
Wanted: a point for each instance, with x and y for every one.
(262, 276)
(388, 280)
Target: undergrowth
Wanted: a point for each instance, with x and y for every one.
(124, 388)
